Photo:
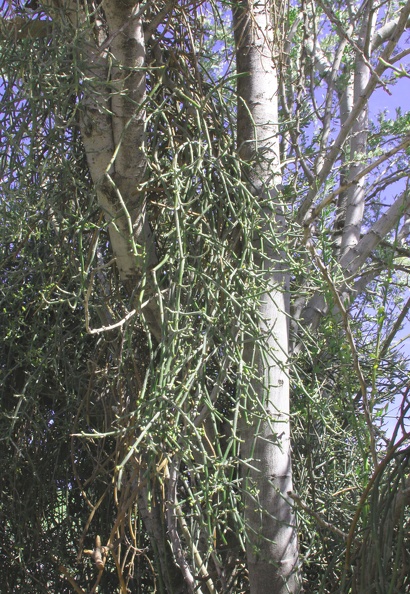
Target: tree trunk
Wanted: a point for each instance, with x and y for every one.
(271, 535)
(112, 126)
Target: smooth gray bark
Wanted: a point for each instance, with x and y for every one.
(271, 533)
(355, 199)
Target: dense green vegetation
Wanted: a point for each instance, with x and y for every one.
(126, 401)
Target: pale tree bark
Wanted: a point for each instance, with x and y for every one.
(272, 551)
(306, 212)
(113, 129)
(352, 250)
(355, 198)
(346, 104)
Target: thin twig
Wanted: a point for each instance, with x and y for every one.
(319, 519)
(349, 334)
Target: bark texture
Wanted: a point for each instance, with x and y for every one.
(271, 536)
(113, 132)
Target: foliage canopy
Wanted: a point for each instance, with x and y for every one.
(106, 429)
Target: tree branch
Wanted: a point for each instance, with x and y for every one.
(319, 519)
(356, 256)
(361, 101)
(24, 28)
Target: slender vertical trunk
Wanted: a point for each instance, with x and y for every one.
(346, 100)
(271, 535)
(356, 193)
